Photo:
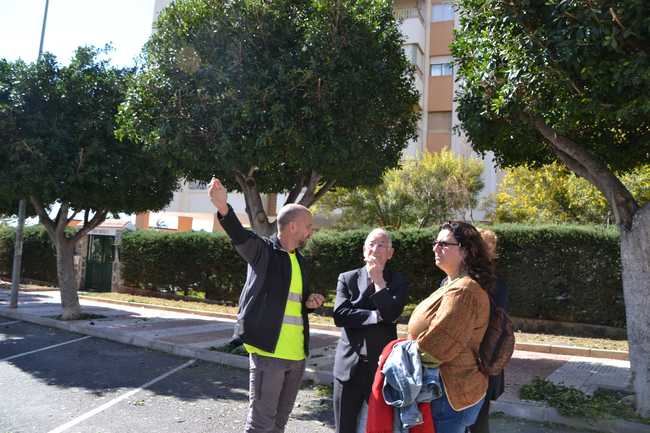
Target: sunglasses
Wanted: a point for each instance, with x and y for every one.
(443, 244)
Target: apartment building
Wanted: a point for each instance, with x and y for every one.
(427, 26)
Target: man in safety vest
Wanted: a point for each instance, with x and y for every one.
(272, 320)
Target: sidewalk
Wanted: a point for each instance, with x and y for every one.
(193, 335)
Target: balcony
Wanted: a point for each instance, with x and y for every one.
(403, 13)
(414, 54)
(412, 25)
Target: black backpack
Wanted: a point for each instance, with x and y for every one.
(498, 343)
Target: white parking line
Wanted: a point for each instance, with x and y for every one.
(116, 400)
(44, 348)
(9, 323)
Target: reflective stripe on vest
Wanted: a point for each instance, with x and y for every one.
(290, 343)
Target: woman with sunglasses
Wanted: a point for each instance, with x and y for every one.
(449, 325)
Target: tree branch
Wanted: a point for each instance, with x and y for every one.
(97, 219)
(74, 214)
(254, 206)
(586, 165)
(295, 192)
(62, 218)
(308, 197)
(322, 191)
(44, 217)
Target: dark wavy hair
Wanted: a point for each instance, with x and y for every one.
(478, 262)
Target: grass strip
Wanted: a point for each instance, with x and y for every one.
(324, 319)
(573, 402)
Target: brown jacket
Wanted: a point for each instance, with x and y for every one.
(449, 325)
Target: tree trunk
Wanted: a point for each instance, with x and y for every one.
(254, 206)
(634, 226)
(257, 216)
(635, 258)
(65, 250)
(65, 274)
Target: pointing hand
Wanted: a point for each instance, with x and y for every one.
(218, 195)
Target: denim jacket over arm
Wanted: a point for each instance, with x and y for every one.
(407, 383)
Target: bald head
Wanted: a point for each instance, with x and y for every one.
(378, 248)
(294, 226)
(379, 233)
(291, 213)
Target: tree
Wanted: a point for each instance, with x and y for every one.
(554, 194)
(57, 127)
(425, 191)
(568, 80)
(281, 96)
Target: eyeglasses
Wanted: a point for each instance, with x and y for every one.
(444, 244)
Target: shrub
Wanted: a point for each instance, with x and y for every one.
(39, 255)
(422, 192)
(553, 194)
(182, 261)
(562, 272)
(568, 273)
(553, 272)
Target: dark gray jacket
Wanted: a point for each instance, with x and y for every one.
(264, 297)
(354, 303)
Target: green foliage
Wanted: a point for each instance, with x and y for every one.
(562, 272)
(423, 192)
(583, 70)
(288, 88)
(57, 138)
(39, 255)
(573, 402)
(567, 273)
(180, 261)
(552, 194)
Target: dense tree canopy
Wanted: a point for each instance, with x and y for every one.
(275, 96)
(569, 80)
(57, 138)
(580, 67)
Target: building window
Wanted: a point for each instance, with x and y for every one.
(442, 12)
(414, 55)
(439, 122)
(441, 69)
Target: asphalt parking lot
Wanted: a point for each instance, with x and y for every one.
(56, 381)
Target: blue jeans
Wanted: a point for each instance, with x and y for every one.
(447, 420)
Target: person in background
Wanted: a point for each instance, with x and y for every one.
(496, 383)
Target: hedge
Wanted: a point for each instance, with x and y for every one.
(553, 272)
(39, 255)
(199, 261)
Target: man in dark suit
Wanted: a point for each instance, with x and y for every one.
(369, 300)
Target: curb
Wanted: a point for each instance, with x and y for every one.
(236, 361)
(525, 347)
(534, 411)
(529, 410)
(188, 311)
(620, 355)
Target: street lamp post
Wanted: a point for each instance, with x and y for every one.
(22, 206)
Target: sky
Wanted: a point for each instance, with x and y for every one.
(125, 24)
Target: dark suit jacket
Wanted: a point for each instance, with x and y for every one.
(354, 303)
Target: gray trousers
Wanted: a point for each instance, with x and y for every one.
(273, 387)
